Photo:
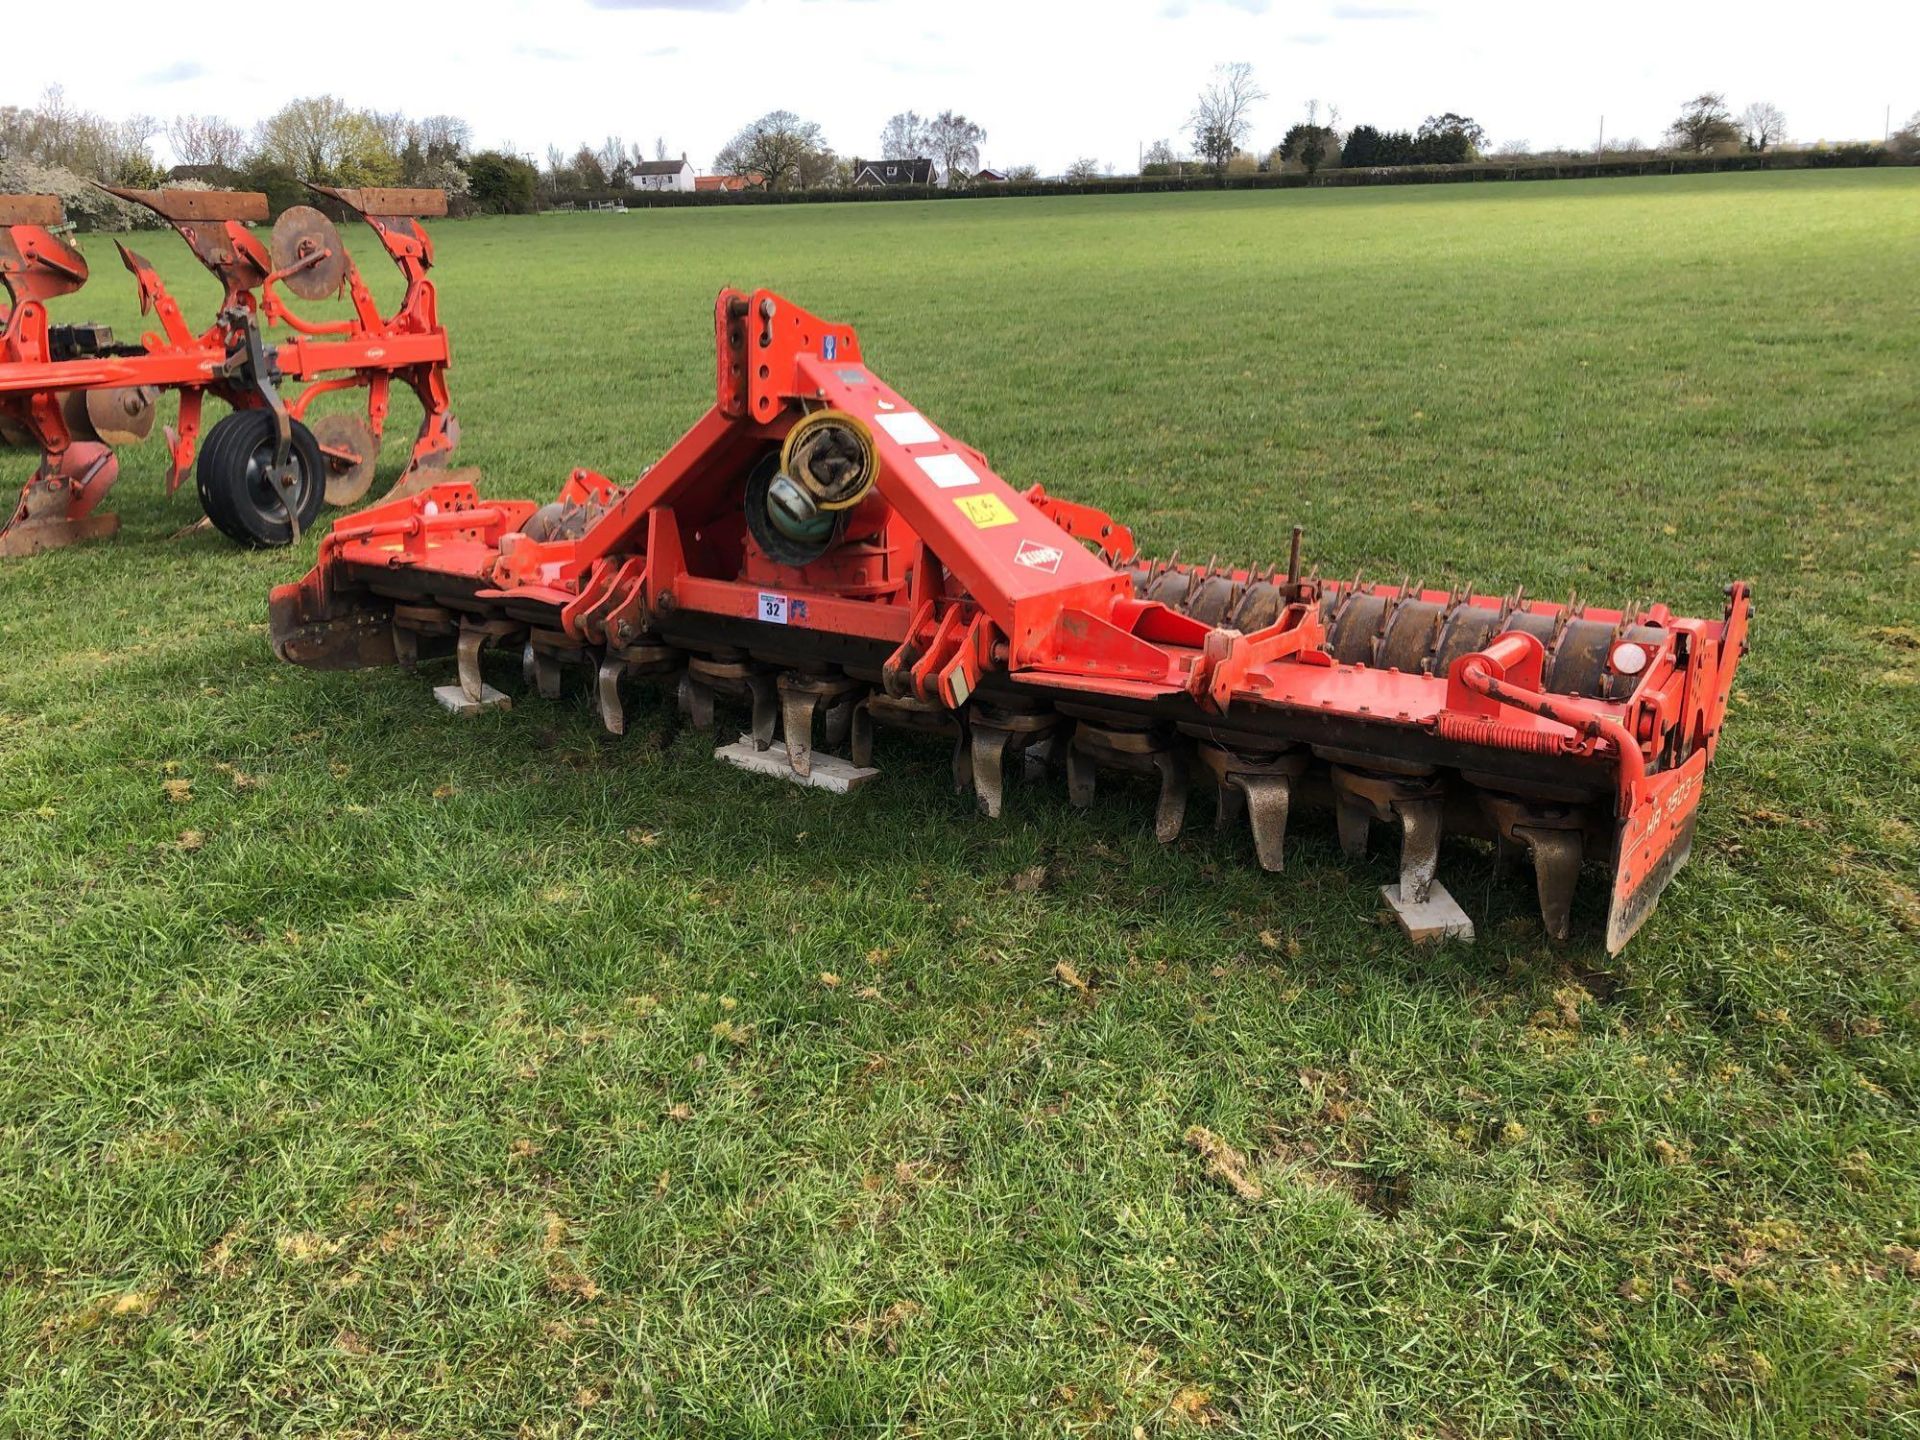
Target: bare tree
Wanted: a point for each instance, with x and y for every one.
(206, 140)
(1222, 113)
(1765, 125)
(659, 147)
(955, 143)
(1083, 169)
(907, 137)
(441, 135)
(1905, 142)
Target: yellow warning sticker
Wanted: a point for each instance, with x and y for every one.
(985, 511)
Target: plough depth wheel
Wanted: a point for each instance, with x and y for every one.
(235, 479)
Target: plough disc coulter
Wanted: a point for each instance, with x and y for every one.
(72, 393)
(819, 551)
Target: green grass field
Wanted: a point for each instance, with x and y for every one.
(367, 1073)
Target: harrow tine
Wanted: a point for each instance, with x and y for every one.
(797, 705)
(1419, 847)
(989, 757)
(963, 758)
(613, 714)
(1232, 805)
(542, 669)
(839, 721)
(472, 683)
(860, 723)
(1557, 857)
(1170, 812)
(766, 710)
(1352, 818)
(1035, 759)
(1267, 799)
(1082, 776)
(696, 701)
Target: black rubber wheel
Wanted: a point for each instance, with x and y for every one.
(232, 477)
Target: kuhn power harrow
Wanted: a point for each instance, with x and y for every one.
(72, 393)
(814, 546)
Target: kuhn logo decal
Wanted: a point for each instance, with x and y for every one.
(1036, 556)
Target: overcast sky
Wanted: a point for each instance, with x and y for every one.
(1050, 81)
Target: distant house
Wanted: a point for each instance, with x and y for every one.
(879, 174)
(989, 177)
(751, 181)
(662, 175)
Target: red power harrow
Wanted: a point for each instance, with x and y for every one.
(73, 393)
(814, 546)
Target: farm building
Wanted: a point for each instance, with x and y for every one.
(876, 174)
(663, 175)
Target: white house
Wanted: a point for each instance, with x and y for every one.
(663, 175)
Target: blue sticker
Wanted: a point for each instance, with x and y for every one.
(830, 347)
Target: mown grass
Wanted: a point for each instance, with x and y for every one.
(367, 1073)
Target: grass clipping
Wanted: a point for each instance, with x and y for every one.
(1224, 1163)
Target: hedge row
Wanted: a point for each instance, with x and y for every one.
(1840, 157)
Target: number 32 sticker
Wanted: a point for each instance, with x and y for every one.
(773, 608)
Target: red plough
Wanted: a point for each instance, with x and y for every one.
(818, 549)
(72, 393)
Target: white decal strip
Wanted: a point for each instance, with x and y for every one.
(949, 472)
(908, 428)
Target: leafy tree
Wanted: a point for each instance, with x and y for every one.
(502, 184)
(1308, 143)
(1222, 114)
(589, 173)
(1448, 139)
(322, 138)
(1704, 124)
(781, 148)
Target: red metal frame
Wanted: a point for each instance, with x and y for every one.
(975, 592)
